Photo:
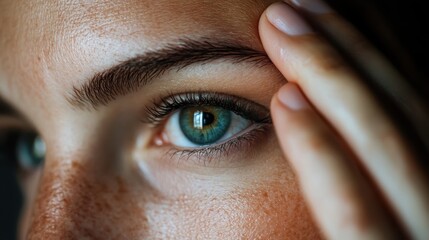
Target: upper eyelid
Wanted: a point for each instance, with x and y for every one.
(7, 109)
(12, 122)
(10, 118)
(161, 108)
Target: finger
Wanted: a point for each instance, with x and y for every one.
(343, 206)
(340, 96)
(370, 61)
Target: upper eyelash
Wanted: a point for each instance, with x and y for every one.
(244, 108)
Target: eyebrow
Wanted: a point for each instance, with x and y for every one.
(131, 75)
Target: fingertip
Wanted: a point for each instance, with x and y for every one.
(292, 115)
(287, 20)
(280, 116)
(280, 47)
(285, 110)
(291, 97)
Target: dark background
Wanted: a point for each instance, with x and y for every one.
(400, 29)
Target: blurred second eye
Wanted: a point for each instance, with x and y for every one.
(198, 126)
(30, 151)
(23, 149)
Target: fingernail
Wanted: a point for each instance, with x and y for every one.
(284, 18)
(314, 6)
(290, 96)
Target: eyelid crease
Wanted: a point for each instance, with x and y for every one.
(160, 109)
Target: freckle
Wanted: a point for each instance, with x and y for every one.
(103, 187)
(265, 195)
(107, 206)
(76, 165)
(121, 186)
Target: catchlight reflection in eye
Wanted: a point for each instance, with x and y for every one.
(203, 125)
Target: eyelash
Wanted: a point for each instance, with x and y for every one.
(208, 154)
(157, 114)
(244, 108)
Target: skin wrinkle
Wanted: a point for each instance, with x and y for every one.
(90, 186)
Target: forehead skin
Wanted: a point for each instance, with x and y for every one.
(46, 47)
(50, 41)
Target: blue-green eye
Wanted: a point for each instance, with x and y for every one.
(23, 149)
(30, 150)
(203, 125)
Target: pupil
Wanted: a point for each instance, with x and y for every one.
(204, 125)
(208, 118)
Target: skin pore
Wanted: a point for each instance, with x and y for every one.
(103, 177)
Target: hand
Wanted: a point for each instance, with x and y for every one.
(357, 174)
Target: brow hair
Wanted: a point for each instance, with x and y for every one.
(131, 75)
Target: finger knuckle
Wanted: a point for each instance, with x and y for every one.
(353, 217)
(390, 141)
(356, 221)
(311, 132)
(322, 58)
(316, 141)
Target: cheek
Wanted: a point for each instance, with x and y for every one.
(260, 201)
(268, 210)
(277, 211)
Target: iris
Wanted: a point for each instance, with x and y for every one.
(204, 125)
(30, 150)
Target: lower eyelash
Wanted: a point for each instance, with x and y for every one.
(207, 155)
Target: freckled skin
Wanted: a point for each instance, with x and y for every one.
(73, 205)
(89, 188)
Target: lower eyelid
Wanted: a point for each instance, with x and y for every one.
(219, 154)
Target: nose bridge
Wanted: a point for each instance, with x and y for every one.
(75, 201)
(63, 196)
